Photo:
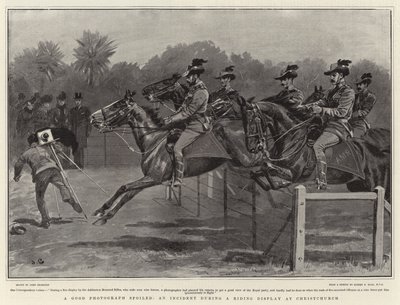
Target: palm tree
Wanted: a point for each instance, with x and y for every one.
(92, 55)
(49, 58)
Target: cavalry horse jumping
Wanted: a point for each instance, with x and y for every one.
(151, 138)
(291, 148)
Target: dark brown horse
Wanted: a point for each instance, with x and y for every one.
(151, 137)
(289, 150)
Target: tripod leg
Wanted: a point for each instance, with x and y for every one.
(66, 181)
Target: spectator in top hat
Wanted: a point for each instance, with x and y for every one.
(193, 112)
(337, 107)
(79, 117)
(60, 114)
(363, 104)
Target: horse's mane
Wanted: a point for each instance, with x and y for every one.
(154, 115)
(276, 112)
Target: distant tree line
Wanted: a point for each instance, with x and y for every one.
(42, 70)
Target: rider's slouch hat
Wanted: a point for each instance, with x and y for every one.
(341, 66)
(289, 72)
(227, 72)
(365, 78)
(195, 68)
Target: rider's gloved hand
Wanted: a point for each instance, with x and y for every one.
(316, 109)
(167, 120)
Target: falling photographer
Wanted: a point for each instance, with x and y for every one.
(45, 170)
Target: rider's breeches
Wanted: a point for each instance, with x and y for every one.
(359, 128)
(327, 139)
(187, 137)
(42, 181)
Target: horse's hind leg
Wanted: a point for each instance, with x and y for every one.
(130, 190)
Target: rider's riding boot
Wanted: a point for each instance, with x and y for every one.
(321, 175)
(179, 167)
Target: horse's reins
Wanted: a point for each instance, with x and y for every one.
(140, 152)
(295, 151)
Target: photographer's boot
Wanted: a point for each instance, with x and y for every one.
(77, 208)
(45, 223)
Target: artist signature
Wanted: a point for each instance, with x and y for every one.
(37, 262)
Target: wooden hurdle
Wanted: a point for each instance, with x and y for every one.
(299, 213)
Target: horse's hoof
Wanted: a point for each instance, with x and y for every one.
(100, 222)
(98, 213)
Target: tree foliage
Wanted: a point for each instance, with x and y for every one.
(93, 55)
(49, 59)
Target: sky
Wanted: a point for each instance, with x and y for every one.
(276, 35)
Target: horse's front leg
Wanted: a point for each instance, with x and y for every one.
(129, 191)
(100, 211)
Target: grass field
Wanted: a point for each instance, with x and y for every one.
(153, 237)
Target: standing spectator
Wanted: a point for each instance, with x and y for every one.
(25, 123)
(59, 115)
(20, 101)
(42, 116)
(79, 117)
(60, 119)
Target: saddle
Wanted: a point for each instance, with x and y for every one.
(207, 145)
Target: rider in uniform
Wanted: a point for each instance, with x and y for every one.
(193, 113)
(290, 97)
(337, 107)
(363, 104)
(226, 101)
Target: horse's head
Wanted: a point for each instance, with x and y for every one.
(115, 114)
(166, 90)
(315, 96)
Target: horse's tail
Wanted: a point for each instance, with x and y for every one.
(379, 139)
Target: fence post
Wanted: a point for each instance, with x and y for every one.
(299, 213)
(105, 150)
(225, 200)
(198, 196)
(179, 195)
(168, 195)
(254, 215)
(210, 184)
(379, 209)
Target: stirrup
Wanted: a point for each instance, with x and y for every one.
(176, 183)
(321, 184)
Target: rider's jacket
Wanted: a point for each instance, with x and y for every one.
(193, 109)
(337, 105)
(289, 98)
(364, 101)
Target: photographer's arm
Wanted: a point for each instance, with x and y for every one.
(19, 165)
